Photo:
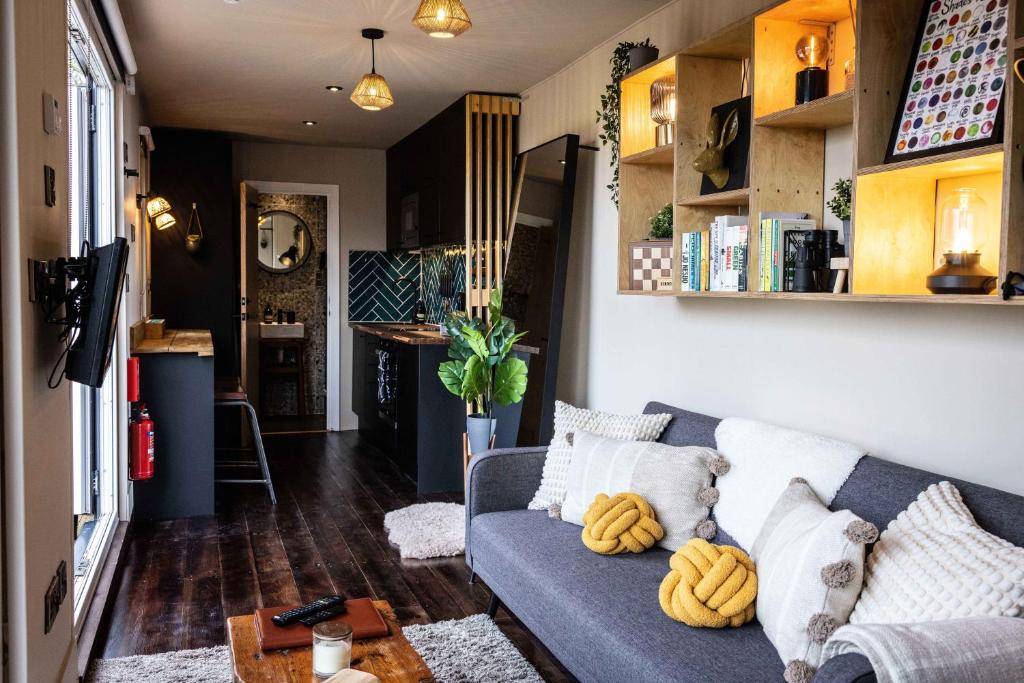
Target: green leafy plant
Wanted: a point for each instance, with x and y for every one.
(661, 223)
(481, 371)
(608, 114)
(839, 205)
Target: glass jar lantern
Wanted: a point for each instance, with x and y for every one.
(959, 243)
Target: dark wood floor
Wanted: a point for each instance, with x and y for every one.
(183, 578)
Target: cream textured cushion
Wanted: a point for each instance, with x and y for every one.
(571, 419)
(676, 482)
(934, 562)
(810, 564)
(764, 458)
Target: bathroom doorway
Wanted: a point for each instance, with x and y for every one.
(294, 292)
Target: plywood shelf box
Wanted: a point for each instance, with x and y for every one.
(894, 205)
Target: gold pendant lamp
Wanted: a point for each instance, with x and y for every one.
(442, 18)
(372, 93)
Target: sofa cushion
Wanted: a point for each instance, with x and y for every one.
(686, 428)
(599, 614)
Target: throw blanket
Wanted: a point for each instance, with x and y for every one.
(981, 649)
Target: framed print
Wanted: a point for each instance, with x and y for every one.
(953, 91)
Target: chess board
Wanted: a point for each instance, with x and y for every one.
(650, 265)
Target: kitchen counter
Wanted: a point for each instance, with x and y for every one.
(418, 335)
(198, 342)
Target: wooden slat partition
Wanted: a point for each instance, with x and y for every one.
(490, 126)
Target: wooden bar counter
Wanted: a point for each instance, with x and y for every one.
(176, 384)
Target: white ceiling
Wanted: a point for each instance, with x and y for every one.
(258, 68)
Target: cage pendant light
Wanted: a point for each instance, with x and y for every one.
(442, 18)
(372, 93)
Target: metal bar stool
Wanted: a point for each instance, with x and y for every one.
(230, 394)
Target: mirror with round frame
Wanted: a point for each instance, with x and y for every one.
(283, 241)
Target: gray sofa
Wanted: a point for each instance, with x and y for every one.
(600, 616)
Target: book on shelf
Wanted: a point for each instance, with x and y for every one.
(772, 247)
(716, 259)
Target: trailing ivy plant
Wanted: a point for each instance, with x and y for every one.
(661, 223)
(481, 371)
(839, 205)
(608, 114)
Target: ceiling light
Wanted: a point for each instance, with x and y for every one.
(334, 88)
(442, 18)
(372, 93)
(309, 123)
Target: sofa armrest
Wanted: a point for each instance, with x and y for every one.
(499, 480)
(848, 668)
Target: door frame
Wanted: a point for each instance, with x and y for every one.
(334, 322)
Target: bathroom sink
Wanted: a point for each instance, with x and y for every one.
(282, 330)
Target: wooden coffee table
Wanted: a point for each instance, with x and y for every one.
(391, 658)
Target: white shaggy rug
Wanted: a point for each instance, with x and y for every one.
(470, 650)
(427, 530)
(206, 665)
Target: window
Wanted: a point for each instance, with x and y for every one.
(91, 218)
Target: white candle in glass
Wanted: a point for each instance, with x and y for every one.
(332, 648)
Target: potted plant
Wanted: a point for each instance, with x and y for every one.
(482, 370)
(608, 115)
(642, 54)
(839, 205)
(661, 223)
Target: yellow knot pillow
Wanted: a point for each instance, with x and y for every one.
(623, 522)
(709, 585)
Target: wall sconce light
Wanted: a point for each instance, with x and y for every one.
(372, 93)
(960, 240)
(164, 221)
(157, 206)
(442, 18)
(812, 82)
(288, 258)
(663, 110)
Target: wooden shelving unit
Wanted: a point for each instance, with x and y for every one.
(894, 205)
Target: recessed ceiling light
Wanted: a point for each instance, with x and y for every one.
(309, 123)
(562, 162)
(334, 88)
(232, 2)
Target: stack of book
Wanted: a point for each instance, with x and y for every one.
(715, 260)
(772, 246)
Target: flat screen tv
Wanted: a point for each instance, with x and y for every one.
(89, 356)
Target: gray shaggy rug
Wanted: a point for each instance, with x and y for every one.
(427, 530)
(470, 650)
(206, 665)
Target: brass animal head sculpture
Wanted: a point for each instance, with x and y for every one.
(711, 161)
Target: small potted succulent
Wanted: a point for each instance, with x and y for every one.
(482, 370)
(839, 205)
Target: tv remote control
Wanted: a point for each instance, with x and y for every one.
(323, 615)
(293, 615)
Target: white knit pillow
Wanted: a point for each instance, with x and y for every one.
(676, 481)
(571, 419)
(764, 458)
(810, 565)
(934, 562)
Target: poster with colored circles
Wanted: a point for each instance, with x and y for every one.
(954, 89)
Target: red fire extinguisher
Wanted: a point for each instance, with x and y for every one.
(140, 457)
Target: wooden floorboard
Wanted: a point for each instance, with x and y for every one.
(183, 578)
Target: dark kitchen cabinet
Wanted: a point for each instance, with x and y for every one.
(430, 164)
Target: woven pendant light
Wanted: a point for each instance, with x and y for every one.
(372, 93)
(442, 18)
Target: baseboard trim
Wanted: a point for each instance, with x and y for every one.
(98, 616)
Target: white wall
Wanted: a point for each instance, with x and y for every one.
(360, 177)
(928, 386)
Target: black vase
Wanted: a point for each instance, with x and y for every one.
(641, 56)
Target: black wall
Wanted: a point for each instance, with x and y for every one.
(197, 291)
